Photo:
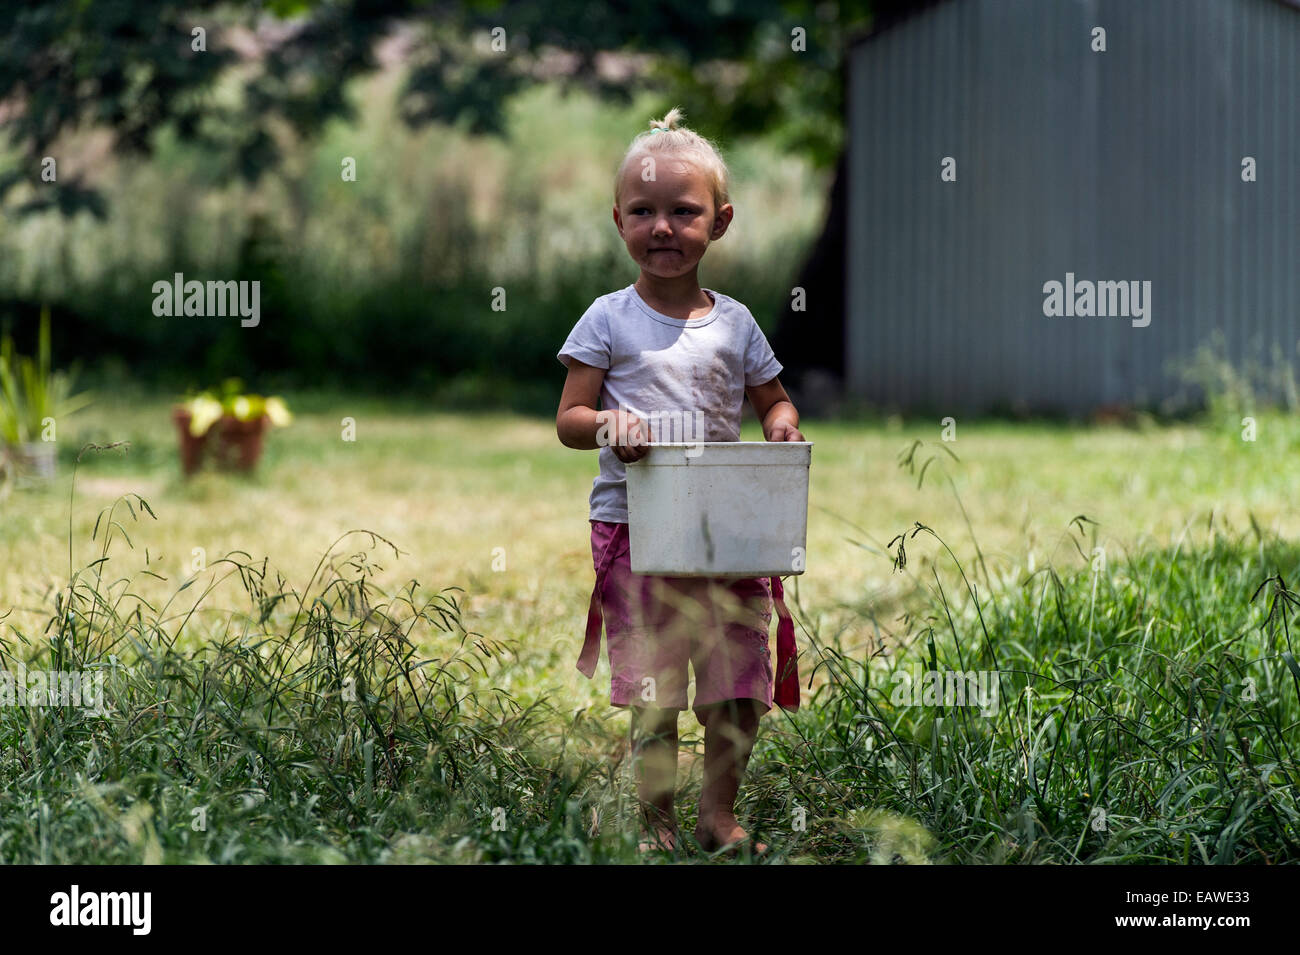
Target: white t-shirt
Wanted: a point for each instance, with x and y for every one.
(685, 377)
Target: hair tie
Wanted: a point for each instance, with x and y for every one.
(657, 129)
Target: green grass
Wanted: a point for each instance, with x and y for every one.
(326, 694)
(1147, 714)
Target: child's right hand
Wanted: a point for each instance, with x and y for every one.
(627, 434)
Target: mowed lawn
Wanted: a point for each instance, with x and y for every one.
(455, 490)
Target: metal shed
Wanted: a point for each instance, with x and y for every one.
(1122, 165)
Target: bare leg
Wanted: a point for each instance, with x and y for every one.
(730, 729)
(656, 754)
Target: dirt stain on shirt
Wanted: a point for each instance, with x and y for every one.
(714, 394)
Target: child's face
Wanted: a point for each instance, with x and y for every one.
(669, 222)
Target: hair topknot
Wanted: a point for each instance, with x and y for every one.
(668, 137)
(672, 120)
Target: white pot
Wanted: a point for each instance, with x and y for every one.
(720, 509)
(36, 459)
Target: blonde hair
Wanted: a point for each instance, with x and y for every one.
(667, 137)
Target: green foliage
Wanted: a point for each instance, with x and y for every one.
(1146, 712)
(131, 67)
(31, 391)
(126, 66)
(386, 284)
(399, 262)
(208, 407)
(1232, 388)
(305, 728)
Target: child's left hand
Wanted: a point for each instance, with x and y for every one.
(785, 431)
(777, 412)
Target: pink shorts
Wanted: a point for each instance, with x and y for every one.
(655, 624)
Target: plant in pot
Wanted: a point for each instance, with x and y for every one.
(228, 424)
(33, 400)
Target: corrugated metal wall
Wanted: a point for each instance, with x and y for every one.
(1122, 165)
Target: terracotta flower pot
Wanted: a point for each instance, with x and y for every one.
(191, 447)
(239, 445)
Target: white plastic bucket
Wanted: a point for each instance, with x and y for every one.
(719, 509)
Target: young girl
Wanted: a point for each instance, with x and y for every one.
(665, 350)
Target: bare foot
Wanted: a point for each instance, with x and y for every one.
(662, 839)
(663, 830)
(723, 832)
